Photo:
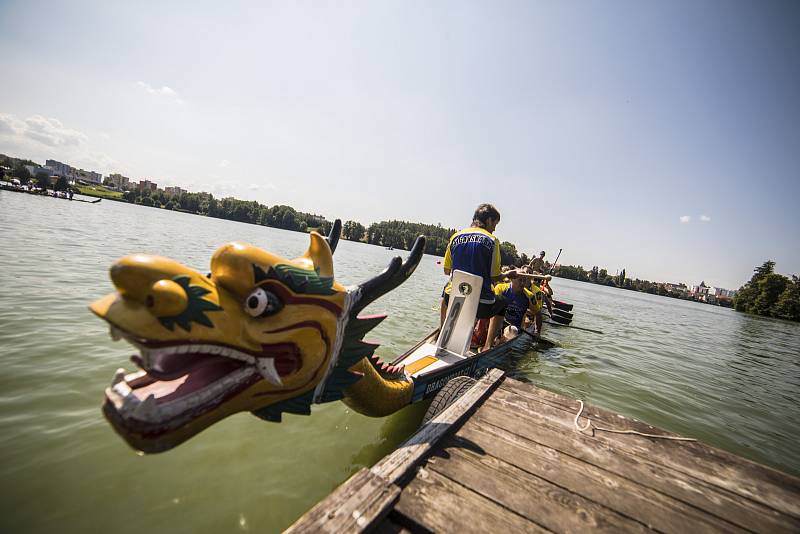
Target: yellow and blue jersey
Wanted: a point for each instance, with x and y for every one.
(519, 303)
(475, 251)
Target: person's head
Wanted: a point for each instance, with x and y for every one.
(517, 284)
(486, 217)
(541, 254)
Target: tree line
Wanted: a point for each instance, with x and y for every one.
(278, 216)
(770, 294)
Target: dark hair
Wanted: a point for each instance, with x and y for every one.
(483, 214)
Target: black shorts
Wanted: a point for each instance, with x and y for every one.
(485, 310)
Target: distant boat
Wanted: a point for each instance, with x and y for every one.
(389, 248)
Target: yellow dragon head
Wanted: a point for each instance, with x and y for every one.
(259, 333)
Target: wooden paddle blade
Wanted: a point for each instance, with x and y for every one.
(561, 320)
(562, 305)
(562, 313)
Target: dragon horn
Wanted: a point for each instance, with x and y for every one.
(333, 235)
(395, 274)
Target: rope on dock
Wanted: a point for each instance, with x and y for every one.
(593, 427)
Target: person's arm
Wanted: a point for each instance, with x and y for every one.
(549, 302)
(447, 264)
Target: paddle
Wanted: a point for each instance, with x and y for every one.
(537, 338)
(534, 276)
(562, 305)
(562, 313)
(573, 326)
(554, 263)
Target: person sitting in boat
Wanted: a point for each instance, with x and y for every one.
(537, 264)
(547, 302)
(521, 301)
(476, 250)
(545, 286)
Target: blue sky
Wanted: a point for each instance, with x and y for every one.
(593, 126)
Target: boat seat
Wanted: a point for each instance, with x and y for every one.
(456, 332)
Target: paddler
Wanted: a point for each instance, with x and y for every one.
(537, 264)
(476, 250)
(521, 300)
(546, 300)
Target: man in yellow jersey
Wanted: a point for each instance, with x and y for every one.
(521, 300)
(476, 250)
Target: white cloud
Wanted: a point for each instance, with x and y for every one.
(163, 91)
(40, 138)
(45, 130)
(685, 218)
(10, 125)
(705, 218)
(224, 163)
(223, 189)
(52, 132)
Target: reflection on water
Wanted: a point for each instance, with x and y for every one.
(727, 379)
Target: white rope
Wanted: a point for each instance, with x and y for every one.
(591, 425)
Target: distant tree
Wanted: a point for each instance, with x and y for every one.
(770, 288)
(42, 180)
(21, 174)
(62, 184)
(170, 205)
(621, 281)
(768, 267)
(770, 294)
(353, 231)
(508, 254)
(147, 201)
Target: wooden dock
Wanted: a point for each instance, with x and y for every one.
(506, 457)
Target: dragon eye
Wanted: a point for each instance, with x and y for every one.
(262, 303)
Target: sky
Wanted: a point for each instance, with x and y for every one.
(659, 137)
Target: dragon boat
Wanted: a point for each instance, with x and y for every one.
(268, 335)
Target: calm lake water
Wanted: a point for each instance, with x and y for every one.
(727, 379)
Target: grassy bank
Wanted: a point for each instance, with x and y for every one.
(99, 191)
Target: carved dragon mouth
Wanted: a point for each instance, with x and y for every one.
(181, 381)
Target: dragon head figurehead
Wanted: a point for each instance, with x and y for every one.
(259, 333)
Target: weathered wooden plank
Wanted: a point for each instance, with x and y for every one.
(354, 506)
(641, 503)
(540, 428)
(436, 503)
(753, 481)
(400, 463)
(532, 497)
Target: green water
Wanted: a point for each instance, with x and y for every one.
(727, 379)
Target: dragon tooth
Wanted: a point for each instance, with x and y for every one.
(119, 376)
(266, 366)
(122, 389)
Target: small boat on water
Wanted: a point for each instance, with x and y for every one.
(271, 336)
(431, 368)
